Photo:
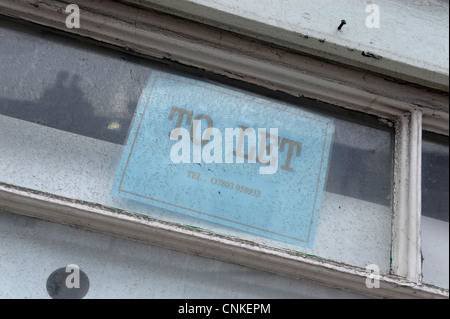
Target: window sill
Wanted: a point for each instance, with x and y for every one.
(202, 243)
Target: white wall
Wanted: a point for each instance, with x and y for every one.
(411, 42)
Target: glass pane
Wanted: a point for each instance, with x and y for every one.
(435, 211)
(71, 114)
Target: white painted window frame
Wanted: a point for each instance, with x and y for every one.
(158, 35)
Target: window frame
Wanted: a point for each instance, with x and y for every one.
(157, 35)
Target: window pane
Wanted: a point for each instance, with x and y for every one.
(61, 84)
(70, 112)
(435, 211)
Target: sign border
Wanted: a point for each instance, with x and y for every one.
(207, 214)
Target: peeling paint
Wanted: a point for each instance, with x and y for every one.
(370, 55)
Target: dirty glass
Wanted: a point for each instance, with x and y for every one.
(68, 111)
(435, 210)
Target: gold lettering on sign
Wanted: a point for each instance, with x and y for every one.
(269, 145)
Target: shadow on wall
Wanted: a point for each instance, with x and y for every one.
(64, 106)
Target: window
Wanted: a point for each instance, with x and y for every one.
(68, 112)
(435, 210)
(65, 135)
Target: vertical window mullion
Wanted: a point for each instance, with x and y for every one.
(406, 242)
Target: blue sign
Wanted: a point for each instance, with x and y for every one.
(227, 157)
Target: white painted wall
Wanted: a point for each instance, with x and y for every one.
(412, 42)
(31, 249)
